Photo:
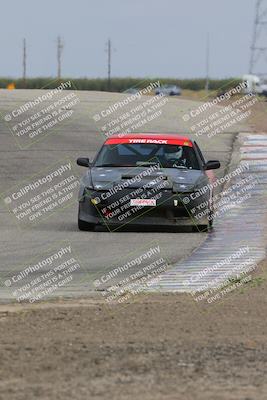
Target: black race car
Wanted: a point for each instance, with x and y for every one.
(148, 179)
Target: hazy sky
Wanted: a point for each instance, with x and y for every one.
(164, 38)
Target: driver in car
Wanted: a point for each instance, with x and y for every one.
(174, 156)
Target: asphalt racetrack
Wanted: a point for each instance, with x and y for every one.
(80, 135)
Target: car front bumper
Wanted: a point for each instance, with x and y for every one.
(171, 210)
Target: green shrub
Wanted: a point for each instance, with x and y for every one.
(118, 84)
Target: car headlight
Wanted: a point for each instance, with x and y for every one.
(183, 188)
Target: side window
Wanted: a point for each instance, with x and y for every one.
(200, 154)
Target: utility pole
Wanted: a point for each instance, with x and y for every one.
(24, 58)
(59, 54)
(109, 64)
(207, 63)
(258, 46)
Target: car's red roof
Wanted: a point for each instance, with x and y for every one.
(149, 138)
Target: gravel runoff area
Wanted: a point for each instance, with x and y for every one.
(157, 347)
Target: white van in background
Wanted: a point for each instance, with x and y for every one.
(255, 85)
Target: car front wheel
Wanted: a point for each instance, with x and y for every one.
(85, 226)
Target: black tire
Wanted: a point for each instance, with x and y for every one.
(85, 226)
(210, 225)
(200, 228)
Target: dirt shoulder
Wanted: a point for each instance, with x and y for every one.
(157, 347)
(258, 117)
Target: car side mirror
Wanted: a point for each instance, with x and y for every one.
(83, 162)
(212, 164)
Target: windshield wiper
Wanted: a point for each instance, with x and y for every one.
(108, 165)
(179, 166)
(146, 163)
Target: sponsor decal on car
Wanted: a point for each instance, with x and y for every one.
(143, 202)
(163, 140)
(156, 141)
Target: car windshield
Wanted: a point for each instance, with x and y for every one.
(138, 154)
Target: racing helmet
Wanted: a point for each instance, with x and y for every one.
(173, 152)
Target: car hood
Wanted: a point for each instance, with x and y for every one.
(180, 180)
